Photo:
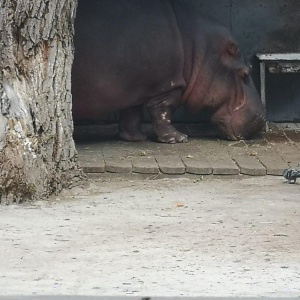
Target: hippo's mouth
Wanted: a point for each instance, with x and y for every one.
(226, 129)
(235, 130)
(251, 128)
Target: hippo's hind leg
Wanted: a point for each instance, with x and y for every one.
(130, 124)
(161, 109)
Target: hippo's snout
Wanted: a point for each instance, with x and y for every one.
(249, 129)
(236, 129)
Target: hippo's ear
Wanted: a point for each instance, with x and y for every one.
(233, 49)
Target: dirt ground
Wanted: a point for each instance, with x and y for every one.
(172, 237)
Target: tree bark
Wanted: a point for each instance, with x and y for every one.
(37, 151)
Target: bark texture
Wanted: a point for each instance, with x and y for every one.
(37, 151)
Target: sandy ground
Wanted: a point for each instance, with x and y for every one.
(164, 237)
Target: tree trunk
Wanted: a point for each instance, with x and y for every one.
(37, 151)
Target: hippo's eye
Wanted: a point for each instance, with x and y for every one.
(233, 49)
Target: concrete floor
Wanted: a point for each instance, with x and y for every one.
(168, 237)
(197, 232)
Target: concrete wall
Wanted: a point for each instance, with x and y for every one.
(259, 26)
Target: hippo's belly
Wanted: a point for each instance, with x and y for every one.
(125, 53)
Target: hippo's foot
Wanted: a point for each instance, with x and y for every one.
(168, 134)
(130, 124)
(132, 136)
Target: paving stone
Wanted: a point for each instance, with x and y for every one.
(294, 137)
(97, 166)
(118, 165)
(276, 151)
(295, 165)
(170, 164)
(91, 161)
(197, 165)
(145, 165)
(274, 164)
(292, 160)
(289, 153)
(113, 152)
(224, 166)
(249, 165)
(297, 144)
(275, 136)
(288, 126)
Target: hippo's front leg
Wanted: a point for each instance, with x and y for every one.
(161, 109)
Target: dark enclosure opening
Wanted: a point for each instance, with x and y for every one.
(283, 98)
(260, 26)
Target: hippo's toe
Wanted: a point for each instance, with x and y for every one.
(172, 138)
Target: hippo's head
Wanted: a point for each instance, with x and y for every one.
(240, 112)
(229, 92)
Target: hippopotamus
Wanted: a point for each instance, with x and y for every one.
(161, 55)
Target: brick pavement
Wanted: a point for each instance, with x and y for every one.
(205, 154)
